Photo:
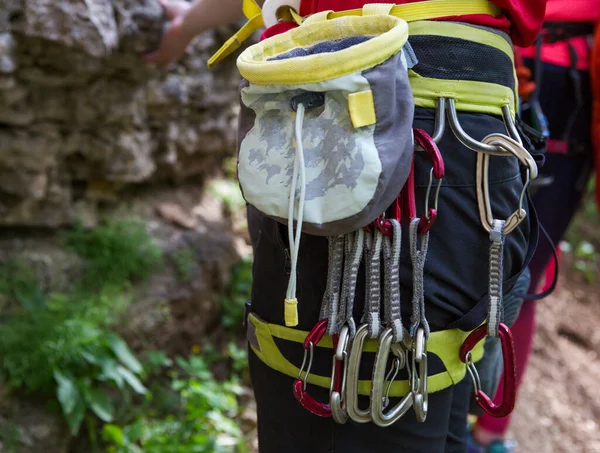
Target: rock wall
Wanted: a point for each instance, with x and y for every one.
(86, 130)
(83, 120)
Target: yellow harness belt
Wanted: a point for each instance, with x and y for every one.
(444, 345)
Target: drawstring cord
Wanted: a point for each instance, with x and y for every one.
(291, 302)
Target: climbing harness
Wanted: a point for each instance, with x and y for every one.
(327, 148)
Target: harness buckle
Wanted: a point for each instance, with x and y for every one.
(510, 372)
(308, 402)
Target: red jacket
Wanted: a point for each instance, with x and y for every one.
(523, 17)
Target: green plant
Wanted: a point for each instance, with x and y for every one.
(115, 252)
(64, 344)
(203, 422)
(238, 293)
(238, 356)
(66, 347)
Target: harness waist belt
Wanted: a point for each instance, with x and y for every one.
(444, 345)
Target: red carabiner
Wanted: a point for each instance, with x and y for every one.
(510, 370)
(432, 151)
(424, 140)
(308, 402)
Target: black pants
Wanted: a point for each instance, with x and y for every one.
(456, 282)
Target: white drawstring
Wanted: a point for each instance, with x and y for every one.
(291, 310)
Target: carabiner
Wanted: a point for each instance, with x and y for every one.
(378, 382)
(438, 172)
(339, 372)
(419, 376)
(510, 371)
(354, 412)
(308, 402)
(510, 147)
(465, 138)
(440, 121)
(439, 124)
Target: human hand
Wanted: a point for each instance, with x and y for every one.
(176, 37)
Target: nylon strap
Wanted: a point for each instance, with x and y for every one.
(418, 257)
(354, 252)
(371, 314)
(496, 276)
(410, 12)
(391, 259)
(331, 298)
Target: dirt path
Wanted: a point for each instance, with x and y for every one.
(559, 406)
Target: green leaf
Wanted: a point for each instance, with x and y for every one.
(66, 391)
(132, 380)
(110, 372)
(75, 417)
(100, 404)
(123, 353)
(134, 432)
(113, 434)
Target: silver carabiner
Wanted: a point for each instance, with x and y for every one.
(419, 376)
(336, 397)
(440, 123)
(470, 142)
(511, 148)
(378, 382)
(354, 412)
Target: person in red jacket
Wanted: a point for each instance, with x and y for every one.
(456, 276)
(562, 87)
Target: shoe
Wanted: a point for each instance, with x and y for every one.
(502, 446)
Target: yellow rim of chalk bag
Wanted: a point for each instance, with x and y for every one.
(389, 35)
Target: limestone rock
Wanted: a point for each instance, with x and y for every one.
(78, 107)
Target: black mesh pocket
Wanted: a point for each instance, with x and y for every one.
(442, 57)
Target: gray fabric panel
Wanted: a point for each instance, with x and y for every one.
(411, 56)
(246, 120)
(394, 109)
